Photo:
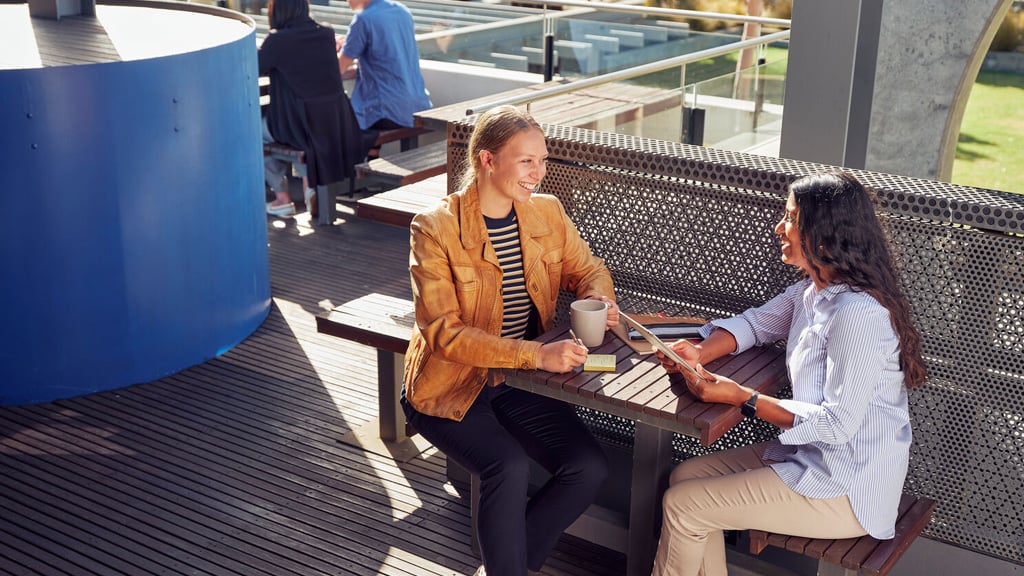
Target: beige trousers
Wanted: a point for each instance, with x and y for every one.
(736, 490)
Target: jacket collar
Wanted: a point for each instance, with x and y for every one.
(471, 219)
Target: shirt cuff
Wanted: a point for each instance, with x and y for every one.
(803, 430)
(736, 326)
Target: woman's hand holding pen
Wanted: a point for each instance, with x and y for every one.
(561, 356)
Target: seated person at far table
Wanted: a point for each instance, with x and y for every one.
(389, 85)
(837, 469)
(487, 264)
(299, 57)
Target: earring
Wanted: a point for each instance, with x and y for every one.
(490, 173)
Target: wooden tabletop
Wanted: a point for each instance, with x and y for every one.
(642, 391)
(579, 108)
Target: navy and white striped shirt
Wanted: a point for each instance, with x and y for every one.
(504, 235)
(851, 430)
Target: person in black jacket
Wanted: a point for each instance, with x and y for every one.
(307, 100)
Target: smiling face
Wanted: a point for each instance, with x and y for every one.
(513, 172)
(789, 234)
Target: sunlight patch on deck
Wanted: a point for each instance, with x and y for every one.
(18, 47)
(140, 33)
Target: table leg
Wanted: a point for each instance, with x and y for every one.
(387, 435)
(652, 456)
(389, 393)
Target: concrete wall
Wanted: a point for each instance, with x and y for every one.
(883, 85)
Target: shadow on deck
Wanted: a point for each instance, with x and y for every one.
(233, 466)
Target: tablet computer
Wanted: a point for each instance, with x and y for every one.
(658, 344)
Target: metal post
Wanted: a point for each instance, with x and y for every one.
(549, 47)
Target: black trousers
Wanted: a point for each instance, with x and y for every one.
(501, 432)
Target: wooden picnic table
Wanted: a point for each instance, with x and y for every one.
(581, 108)
(639, 390)
(660, 405)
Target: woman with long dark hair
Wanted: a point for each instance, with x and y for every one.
(837, 469)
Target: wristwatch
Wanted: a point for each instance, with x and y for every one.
(749, 408)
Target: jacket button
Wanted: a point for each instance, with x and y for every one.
(526, 365)
(457, 413)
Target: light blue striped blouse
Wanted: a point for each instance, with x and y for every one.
(851, 430)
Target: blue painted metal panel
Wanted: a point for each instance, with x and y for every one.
(132, 229)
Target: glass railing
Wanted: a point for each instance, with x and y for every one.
(585, 45)
(741, 111)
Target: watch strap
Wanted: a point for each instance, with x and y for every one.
(749, 408)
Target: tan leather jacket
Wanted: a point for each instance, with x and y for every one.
(456, 284)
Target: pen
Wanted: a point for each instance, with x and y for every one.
(574, 338)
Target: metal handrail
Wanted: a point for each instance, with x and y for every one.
(632, 72)
(540, 17)
(657, 11)
(626, 6)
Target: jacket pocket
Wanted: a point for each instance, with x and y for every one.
(467, 290)
(553, 264)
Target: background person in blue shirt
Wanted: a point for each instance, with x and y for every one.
(837, 469)
(389, 84)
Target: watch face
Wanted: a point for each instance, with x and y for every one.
(749, 408)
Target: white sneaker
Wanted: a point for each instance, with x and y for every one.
(281, 210)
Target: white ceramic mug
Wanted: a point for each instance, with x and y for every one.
(588, 318)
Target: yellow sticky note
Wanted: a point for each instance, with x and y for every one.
(600, 363)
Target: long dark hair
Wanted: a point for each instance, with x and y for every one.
(282, 12)
(843, 242)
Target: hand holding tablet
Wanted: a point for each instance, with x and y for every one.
(660, 345)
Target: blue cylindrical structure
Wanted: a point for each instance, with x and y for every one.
(133, 237)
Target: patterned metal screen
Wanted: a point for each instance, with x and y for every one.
(687, 229)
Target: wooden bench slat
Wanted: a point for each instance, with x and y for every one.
(374, 320)
(908, 527)
(398, 206)
(409, 166)
(861, 549)
(797, 544)
(816, 549)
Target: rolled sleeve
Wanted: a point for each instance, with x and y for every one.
(803, 430)
(738, 327)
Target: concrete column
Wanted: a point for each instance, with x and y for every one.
(929, 55)
(883, 85)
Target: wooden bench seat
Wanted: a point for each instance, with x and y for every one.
(864, 555)
(398, 206)
(408, 139)
(406, 167)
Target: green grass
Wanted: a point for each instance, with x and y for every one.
(990, 150)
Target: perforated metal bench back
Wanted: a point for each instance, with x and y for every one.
(687, 228)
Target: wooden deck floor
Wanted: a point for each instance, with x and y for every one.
(233, 467)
